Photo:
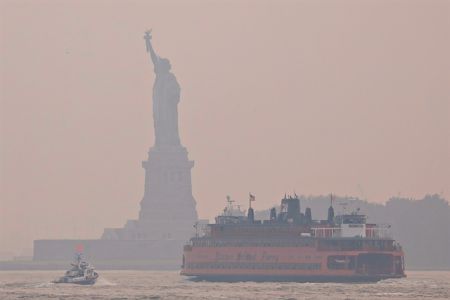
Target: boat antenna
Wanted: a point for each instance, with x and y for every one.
(230, 202)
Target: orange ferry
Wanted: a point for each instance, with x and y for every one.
(290, 246)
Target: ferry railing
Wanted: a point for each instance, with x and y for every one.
(378, 232)
(381, 231)
(326, 232)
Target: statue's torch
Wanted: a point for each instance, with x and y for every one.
(147, 38)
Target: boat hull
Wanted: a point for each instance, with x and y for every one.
(84, 281)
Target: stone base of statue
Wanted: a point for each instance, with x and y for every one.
(168, 207)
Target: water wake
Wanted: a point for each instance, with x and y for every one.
(104, 282)
(42, 284)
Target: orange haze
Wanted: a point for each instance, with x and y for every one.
(349, 97)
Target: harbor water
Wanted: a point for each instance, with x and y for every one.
(170, 285)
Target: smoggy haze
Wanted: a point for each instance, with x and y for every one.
(276, 96)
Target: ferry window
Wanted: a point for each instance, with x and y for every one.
(354, 219)
(341, 262)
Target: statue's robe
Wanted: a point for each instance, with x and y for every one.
(166, 95)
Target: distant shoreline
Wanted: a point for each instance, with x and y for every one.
(137, 265)
(169, 265)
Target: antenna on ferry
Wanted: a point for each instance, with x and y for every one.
(196, 229)
(331, 211)
(228, 210)
(250, 213)
(250, 199)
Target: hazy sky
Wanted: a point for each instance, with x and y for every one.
(276, 96)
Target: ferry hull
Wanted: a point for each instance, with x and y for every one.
(293, 278)
(303, 264)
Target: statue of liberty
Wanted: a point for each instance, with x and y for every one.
(168, 206)
(166, 95)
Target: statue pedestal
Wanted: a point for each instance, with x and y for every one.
(168, 207)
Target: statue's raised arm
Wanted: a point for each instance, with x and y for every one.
(148, 44)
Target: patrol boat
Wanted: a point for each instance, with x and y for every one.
(80, 273)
